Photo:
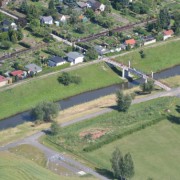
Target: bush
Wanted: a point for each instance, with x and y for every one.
(67, 79)
(55, 128)
(24, 44)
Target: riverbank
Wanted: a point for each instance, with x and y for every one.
(26, 96)
(156, 58)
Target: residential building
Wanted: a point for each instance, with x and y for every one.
(18, 73)
(148, 40)
(167, 34)
(62, 18)
(56, 61)
(75, 58)
(101, 50)
(46, 20)
(33, 68)
(130, 42)
(3, 81)
(82, 5)
(96, 5)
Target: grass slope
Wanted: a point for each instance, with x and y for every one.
(28, 95)
(157, 58)
(17, 168)
(155, 151)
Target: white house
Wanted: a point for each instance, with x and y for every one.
(56, 61)
(148, 40)
(3, 81)
(62, 18)
(101, 50)
(46, 20)
(34, 68)
(96, 5)
(75, 58)
(167, 34)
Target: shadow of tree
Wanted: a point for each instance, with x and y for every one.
(105, 172)
(178, 108)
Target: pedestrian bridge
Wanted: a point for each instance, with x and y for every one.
(127, 70)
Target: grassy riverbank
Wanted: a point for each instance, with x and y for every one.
(80, 136)
(27, 95)
(157, 58)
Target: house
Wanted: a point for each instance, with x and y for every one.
(167, 34)
(62, 18)
(96, 5)
(46, 20)
(56, 61)
(3, 81)
(82, 5)
(148, 40)
(14, 26)
(5, 25)
(101, 50)
(83, 18)
(130, 42)
(18, 73)
(123, 46)
(75, 58)
(33, 68)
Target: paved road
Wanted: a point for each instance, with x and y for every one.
(64, 160)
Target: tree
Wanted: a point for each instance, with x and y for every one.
(147, 86)
(45, 111)
(123, 167)
(123, 101)
(91, 54)
(65, 79)
(128, 166)
(19, 34)
(164, 18)
(51, 4)
(24, 7)
(55, 128)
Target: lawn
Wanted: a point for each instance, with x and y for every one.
(27, 95)
(155, 149)
(157, 58)
(155, 152)
(18, 168)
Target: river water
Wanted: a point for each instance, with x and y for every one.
(87, 96)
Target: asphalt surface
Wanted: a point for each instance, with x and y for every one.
(66, 161)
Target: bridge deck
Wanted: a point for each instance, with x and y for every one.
(136, 72)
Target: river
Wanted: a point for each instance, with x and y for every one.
(87, 96)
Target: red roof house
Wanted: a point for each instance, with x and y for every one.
(130, 42)
(3, 81)
(18, 73)
(167, 34)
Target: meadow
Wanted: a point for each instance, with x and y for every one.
(157, 58)
(27, 95)
(149, 131)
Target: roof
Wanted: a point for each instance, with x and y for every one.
(99, 48)
(96, 5)
(46, 18)
(130, 41)
(17, 73)
(6, 23)
(169, 32)
(74, 55)
(81, 4)
(81, 17)
(2, 78)
(57, 59)
(148, 38)
(33, 67)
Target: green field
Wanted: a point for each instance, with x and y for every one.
(154, 148)
(18, 168)
(14, 167)
(157, 58)
(27, 95)
(155, 152)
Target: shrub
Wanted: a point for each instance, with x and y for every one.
(24, 44)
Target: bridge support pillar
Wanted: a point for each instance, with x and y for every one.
(123, 73)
